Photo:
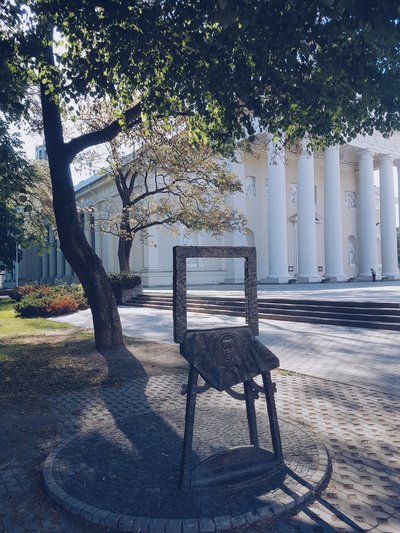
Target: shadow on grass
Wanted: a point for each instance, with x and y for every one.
(40, 368)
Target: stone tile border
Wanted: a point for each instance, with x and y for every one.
(285, 503)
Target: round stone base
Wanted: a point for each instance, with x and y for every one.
(125, 476)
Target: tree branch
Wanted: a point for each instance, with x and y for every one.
(106, 134)
(146, 195)
(140, 227)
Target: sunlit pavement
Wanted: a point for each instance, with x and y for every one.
(358, 356)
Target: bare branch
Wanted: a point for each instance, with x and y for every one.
(106, 134)
(146, 194)
(165, 221)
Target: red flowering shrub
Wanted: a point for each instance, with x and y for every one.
(17, 293)
(52, 300)
(62, 305)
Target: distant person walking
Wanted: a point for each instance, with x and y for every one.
(373, 274)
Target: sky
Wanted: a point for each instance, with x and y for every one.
(31, 141)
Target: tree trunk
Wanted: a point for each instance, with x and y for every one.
(125, 237)
(87, 266)
(124, 253)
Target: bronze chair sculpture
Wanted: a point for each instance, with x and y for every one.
(225, 357)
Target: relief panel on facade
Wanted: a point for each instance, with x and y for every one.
(351, 251)
(250, 186)
(350, 199)
(293, 192)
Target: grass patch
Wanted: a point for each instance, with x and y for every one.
(10, 325)
(40, 358)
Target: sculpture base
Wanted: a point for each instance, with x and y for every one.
(125, 475)
(241, 465)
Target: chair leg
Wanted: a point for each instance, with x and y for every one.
(184, 479)
(272, 414)
(251, 413)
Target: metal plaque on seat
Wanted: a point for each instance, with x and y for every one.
(227, 356)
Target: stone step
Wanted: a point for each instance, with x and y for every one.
(352, 314)
(289, 306)
(346, 306)
(272, 310)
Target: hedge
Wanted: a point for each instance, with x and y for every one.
(127, 280)
(53, 300)
(123, 280)
(17, 293)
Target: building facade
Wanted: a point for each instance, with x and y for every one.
(328, 216)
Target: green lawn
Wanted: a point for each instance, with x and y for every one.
(39, 358)
(10, 325)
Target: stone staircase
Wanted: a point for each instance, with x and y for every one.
(376, 315)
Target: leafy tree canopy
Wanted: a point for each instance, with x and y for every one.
(16, 174)
(326, 67)
(10, 227)
(25, 198)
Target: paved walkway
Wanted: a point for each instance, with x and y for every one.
(345, 392)
(358, 356)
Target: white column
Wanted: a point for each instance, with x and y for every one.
(397, 165)
(151, 274)
(52, 255)
(151, 250)
(68, 270)
(97, 233)
(45, 266)
(235, 267)
(113, 264)
(390, 268)
(86, 227)
(307, 238)
(59, 261)
(277, 215)
(104, 251)
(367, 247)
(333, 216)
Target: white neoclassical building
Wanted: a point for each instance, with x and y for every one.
(312, 217)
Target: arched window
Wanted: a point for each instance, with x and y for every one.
(250, 238)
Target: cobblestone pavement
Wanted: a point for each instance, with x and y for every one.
(360, 428)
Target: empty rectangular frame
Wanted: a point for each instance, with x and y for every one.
(181, 253)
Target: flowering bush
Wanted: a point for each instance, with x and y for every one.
(53, 300)
(16, 293)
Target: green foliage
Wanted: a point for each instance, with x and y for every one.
(16, 174)
(11, 222)
(53, 300)
(13, 80)
(123, 280)
(327, 67)
(18, 179)
(127, 280)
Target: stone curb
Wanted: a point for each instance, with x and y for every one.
(289, 501)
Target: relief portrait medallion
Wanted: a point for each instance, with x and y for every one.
(227, 349)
